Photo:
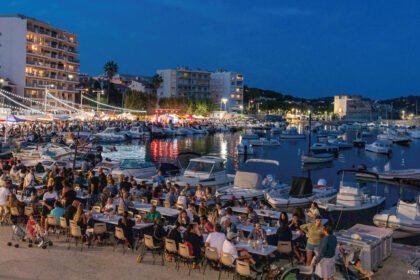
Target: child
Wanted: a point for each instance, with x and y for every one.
(34, 231)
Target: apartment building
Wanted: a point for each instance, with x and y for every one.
(183, 82)
(227, 90)
(37, 56)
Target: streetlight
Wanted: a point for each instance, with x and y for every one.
(224, 101)
(403, 114)
(242, 109)
(46, 95)
(97, 98)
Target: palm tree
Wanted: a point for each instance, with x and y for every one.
(157, 80)
(110, 68)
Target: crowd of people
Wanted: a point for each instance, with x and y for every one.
(202, 221)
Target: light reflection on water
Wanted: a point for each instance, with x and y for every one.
(288, 154)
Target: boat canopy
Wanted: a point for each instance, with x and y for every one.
(301, 187)
(135, 164)
(185, 157)
(247, 180)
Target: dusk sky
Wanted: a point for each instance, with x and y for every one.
(303, 48)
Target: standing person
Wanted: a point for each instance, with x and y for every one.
(325, 261)
(4, 197)
(313, 233)
(29, 182)
(93, 186)
(312, 212)
(102, 182)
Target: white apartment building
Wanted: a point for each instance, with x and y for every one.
(227, 90)
(184, 82)
(35, 55)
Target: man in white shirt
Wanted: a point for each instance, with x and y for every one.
(29, 181)
(4, 196)
(216, 239)
(229, 248)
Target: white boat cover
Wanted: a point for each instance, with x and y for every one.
(247, 180)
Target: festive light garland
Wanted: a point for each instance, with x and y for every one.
(65, 104)
(2, 93)
(117, 108)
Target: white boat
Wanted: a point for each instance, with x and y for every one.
(244, 148)
(379, 147)
(352, 206)
(322, 148)
(157, 131)
(110, 134)
(415, 134)
(199, 130)
(341, 144)
(264, 142)
(251, 136)
(393, 174)
(168, 131)
(359, 143)
(317, 158)
(249, 184)
(206, 170)
(49, 151)
(301, 194)
(292, 133)
(404, 219)
(138, 132)
(134, 167)
(398, 137)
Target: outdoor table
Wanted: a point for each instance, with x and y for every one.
(113, 220)
(145, 207)
(262, 250)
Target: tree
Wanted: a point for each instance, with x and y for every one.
(138, 100)
(110, 68)
(157, 80)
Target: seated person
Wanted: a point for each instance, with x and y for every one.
(109, 207)
(126, 224)
(193, 235)
(183, 218)
(237, 254)
(205, 225)
(175, 234)
(258, 233)
(159, 233)
(152, 215)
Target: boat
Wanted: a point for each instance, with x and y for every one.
(415, 134)
(168, 132)
(397, 137)
(182, 132)
(379, 147)
(157, 132)
(110, 135)
(49, 151)
(275, 130)
(138, 132)
(359, 143)
(209, 171)
(134, 167)
(292, 133)
(250, 136)
(301, 194)
(322, 148)
(244, 148)
(351, 206)
(317, 158)
(341, 144)
(249, 184)
(264, 142)
(403, 219)
(406, 174)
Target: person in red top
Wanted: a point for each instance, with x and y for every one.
(205, 225)
(30, 227)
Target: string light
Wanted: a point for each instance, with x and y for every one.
(117, 108)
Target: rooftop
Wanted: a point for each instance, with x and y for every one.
(33, 19)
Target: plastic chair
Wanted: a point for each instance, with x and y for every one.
(96, 209)
(226, 264)
(149, 246)
(64, 226)
(243, 270)
(185, 257)
(210, 255)
(76, 233)
(285, 248)
(171, 248)
(154, 202)
(52, 222)
(119, 237)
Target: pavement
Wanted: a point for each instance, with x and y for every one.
(58, 262)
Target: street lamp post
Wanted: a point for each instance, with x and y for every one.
(242, 109)
(224, 101)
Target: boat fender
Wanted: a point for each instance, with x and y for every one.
(356, 236)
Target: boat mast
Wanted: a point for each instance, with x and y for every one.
(310, 131)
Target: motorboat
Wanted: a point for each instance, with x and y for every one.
(209, 171)
(138, 132)
(351, 206)
(275, 130)
(250, 136)
(249, 184)
(49, 151)
(397, 137)
(244, 148)
(379, 147)
(157, 132)
(323, 148)
(415, 134)
(301, 194)
(292, 133)
(183, 131)
(403, 219)
(169, 132)
(264, 142)
(407, 174)
(341, 144)
(110, 135)
(199, 130)
(134, 167)
(317, 158)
